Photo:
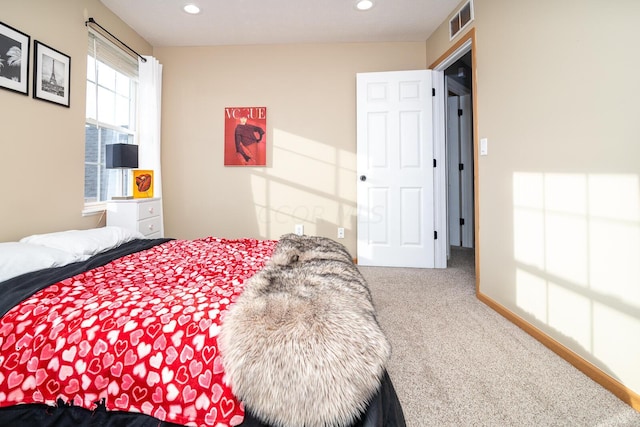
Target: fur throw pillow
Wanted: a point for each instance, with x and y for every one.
(302, 346)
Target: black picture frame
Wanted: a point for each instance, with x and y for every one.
(14, 59)
(51, 74)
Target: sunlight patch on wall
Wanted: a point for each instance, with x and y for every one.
(577, 250)
(532, 294)
(346, 161)
(288, 203)
(570, 314)
(615, 267)
(614, 231)
(614, 197)
(258, 185)
(302, 155)
(608, 340)
(565, 212)
(292, 195)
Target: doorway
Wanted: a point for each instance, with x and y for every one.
(463, 50)
(457, 68)
(459, 143)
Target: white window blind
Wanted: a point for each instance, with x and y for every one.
(111, 55)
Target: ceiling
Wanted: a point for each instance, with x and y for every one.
(242, 22)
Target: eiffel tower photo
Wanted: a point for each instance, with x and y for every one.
(52, 79)
(50, 83)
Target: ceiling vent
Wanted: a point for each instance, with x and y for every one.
(461, 19)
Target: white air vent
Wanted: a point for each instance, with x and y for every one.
(461, 19)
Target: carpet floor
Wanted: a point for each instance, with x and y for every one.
(456, 362)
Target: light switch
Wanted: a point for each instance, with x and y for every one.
(484, 146)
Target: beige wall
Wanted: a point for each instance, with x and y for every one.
(559, 192)
(42, 144)
(309, 92)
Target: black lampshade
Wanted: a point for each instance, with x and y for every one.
(122, 156)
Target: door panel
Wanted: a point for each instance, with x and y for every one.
(395, 152)
(453, 176)
(410, 214)
(410, 139)
(466, 178)
(460, 180)
(377, 230)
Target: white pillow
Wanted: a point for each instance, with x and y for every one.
(19, 258)
(85, 243)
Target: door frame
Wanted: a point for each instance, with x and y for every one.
(465, 43)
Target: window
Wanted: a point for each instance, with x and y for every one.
(112, 91)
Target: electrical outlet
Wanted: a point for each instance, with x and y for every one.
(340, 232)
(299, 229)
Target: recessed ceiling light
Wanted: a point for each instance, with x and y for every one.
(364, 5)
(192, 9)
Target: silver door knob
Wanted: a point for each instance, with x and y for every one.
(363, 178)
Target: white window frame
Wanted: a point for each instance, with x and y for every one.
(120, 61)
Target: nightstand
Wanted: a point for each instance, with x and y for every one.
(143, 215)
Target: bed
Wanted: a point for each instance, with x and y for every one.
(104, 327)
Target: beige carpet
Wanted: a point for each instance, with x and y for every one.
(456, 362)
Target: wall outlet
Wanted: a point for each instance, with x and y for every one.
(340, 232)
(299, 229)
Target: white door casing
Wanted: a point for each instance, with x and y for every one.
(395, 169)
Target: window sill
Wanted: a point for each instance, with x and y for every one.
(94, 209)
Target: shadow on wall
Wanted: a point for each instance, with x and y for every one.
(576, 248)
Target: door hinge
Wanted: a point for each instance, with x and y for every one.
(460, 166)
(435, 235)
(435, 163)
(459, 112)
(433, 91)
(461, 221)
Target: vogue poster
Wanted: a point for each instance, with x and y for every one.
(245, 137)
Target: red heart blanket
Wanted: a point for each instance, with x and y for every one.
(138, 334)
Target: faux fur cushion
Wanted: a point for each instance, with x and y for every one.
(301, 346)
(293, 249)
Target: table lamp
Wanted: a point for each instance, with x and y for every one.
(123, 157)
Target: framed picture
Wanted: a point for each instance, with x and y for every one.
(142, 184)
(52, 74)
(245, 139)
(14, 59)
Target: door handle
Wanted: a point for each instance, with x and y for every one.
(363, 178)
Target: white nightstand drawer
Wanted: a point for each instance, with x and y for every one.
(143, 215)
(150, 225)
(148, 209)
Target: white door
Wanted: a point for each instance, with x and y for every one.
(453, 171)
(459, 165)
(466, 175)
(395, 169)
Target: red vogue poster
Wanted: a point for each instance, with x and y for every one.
(245, 136)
